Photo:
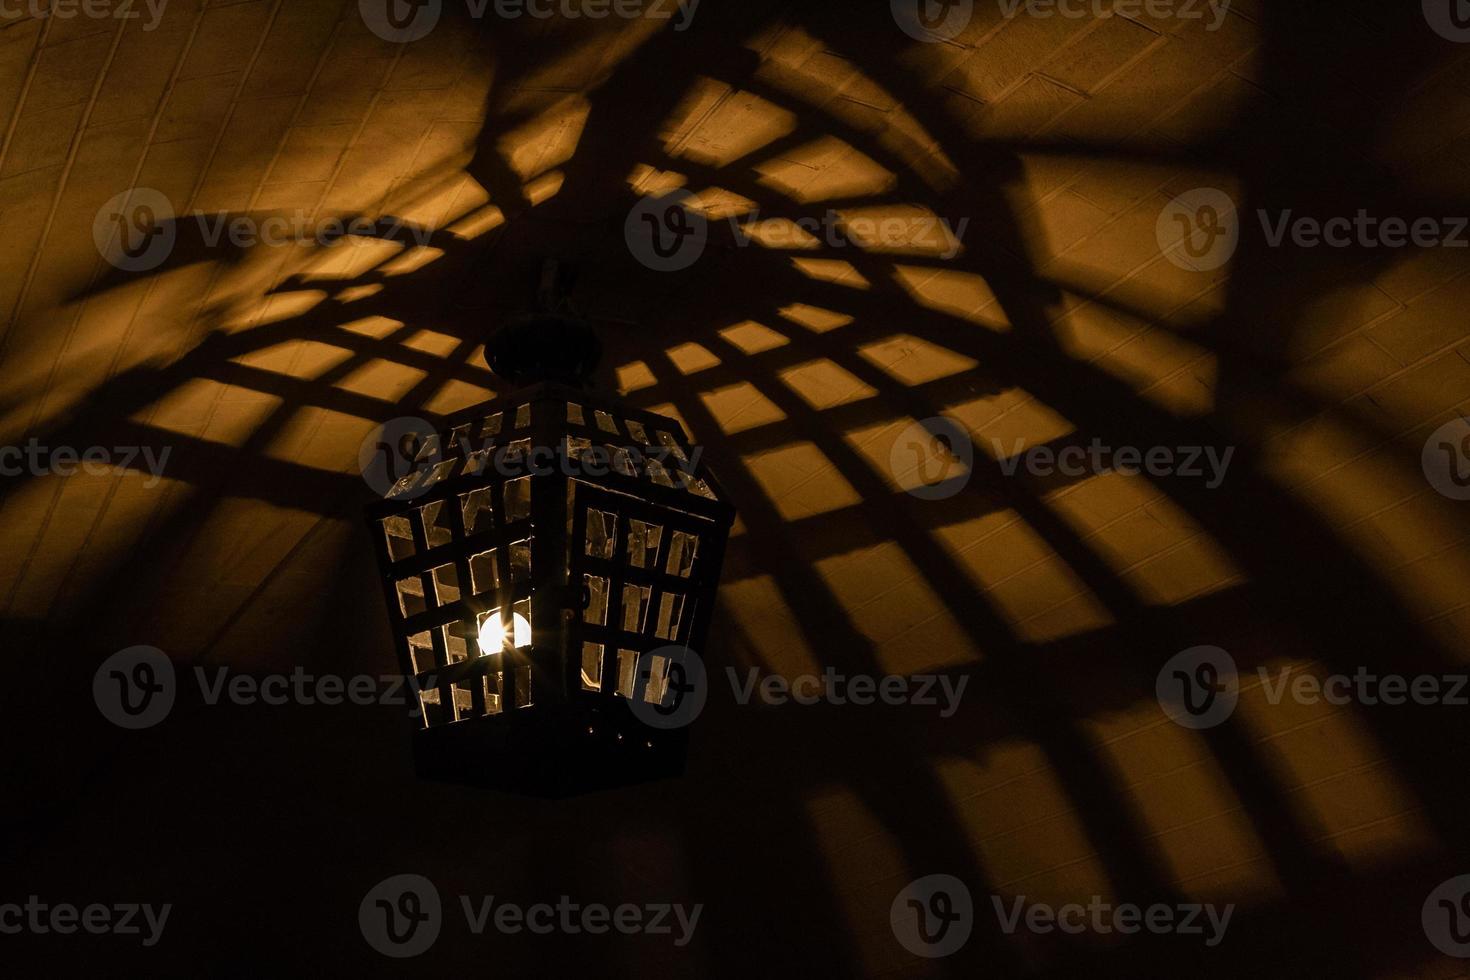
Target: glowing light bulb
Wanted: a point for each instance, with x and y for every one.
(492, 633)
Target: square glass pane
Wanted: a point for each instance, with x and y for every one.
(521, 622)
(523, 687)
(620, 460)
(491, 685)
(407, 482)
(399, 534)
(658, 679)
(457, 641)
(523, 416)
(670, 612)
(574, 414)
(643, 540)
(411, 600)
(658, 474)
(485, 572)
(635, 606)
(421, 652)
(520, 561)
(518, 499)
(591, 666)
(627, 667)
(436, 523)
(596, 609)
(490, 427)
(636, 430)
(464, 699)
(440, 472)
(475, 462)
(446, 583)
(602, 530)
(605, 422)
(668, 441)
(429, 449)
(682, 546)
(476, 511)
(433, 708)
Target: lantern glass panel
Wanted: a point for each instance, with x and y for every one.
(484, 572)
(591, 666)
(477, 511)
(627, 668)
(616, 556)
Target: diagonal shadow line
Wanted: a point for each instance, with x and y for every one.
(1082, 393)
(825, 626)
(1113, 831)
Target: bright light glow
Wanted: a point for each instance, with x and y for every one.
(492, 632)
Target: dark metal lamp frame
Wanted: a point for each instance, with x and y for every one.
(600, 552)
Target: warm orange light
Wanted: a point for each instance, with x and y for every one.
(492, 632)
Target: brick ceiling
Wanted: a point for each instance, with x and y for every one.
(797, 364)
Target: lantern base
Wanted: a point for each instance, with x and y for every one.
(551, 751)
